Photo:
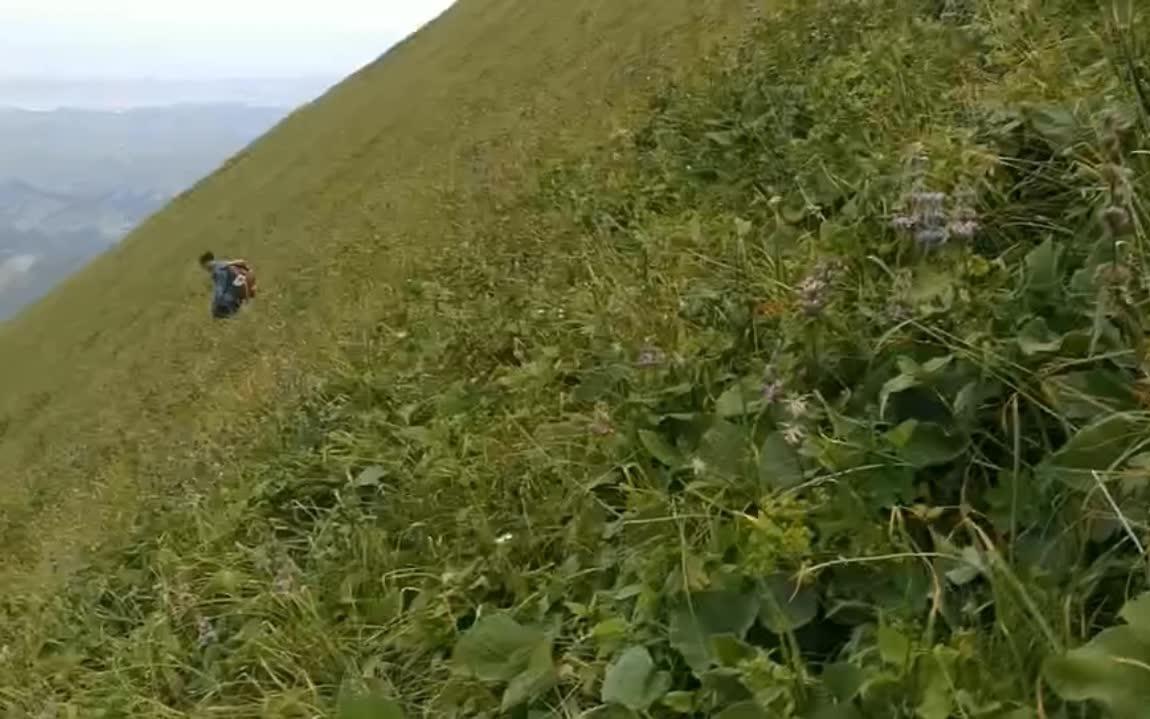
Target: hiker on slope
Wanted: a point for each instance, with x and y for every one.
(233, 284)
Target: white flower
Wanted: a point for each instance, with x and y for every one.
(797, 407)
(793, 435)
(698, 466)
(207, 633)
(504, 538)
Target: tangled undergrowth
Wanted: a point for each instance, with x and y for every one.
(825, 393)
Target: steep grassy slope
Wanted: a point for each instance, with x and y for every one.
(116, 387)
(816, 389)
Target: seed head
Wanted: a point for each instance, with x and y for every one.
(1117, 220)
(207, 633)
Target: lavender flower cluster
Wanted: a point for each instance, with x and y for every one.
(927, 218)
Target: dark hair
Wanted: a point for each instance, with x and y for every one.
(206, 258)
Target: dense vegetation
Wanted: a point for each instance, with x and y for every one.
(821, 391)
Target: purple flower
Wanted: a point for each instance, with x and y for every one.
(931, 237)
(926, 217)
(772, 390)
(813, 292)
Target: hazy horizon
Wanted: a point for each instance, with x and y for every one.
(131, 53)
(118, 94)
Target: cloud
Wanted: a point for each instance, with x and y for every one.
(15, 268)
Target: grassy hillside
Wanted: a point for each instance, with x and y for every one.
(816, 387)
(337, 205)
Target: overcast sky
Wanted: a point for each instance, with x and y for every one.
(202, 39)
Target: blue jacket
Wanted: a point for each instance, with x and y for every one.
(226, 297)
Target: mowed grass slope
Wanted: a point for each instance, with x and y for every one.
(816, 387)
(117, 386)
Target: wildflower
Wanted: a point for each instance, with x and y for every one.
(903, 222)
(925, 216)
(797, 407)
(812, 295)
(772, 390)
(601, 422)
(813, 291)
(650, 357)
(285, 580)
(698, 466)
(794, 435)
(504, 538)
(964, 218)
(207, 633)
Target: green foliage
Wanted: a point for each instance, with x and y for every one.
(694, 430)
(632, 681)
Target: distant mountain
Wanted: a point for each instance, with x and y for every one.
(148, 149)
(109, 94)
(73, 182)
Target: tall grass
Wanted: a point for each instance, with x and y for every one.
(821, 391)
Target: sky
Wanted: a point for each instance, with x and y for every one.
(201, 39)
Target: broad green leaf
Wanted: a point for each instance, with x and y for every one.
(926, 444)
(366, 705)
(936, 698)
(1096, 447)
(1136, 613)
(727, 451)
(779, 463)
(933, 367)
(706, 615)
(1042, 268)
(633, 682)
(1056, 124)
(1036, 338)
(1088, 394)
(893, 646)
(742, 398)
(785, 606)
(966, 402)
(609, 711)
(744, 710)
(370, 476)
(610, 629)
(680, 702)
(660, 448)
(728, 650)
(1113, 669)
(969, 569)
(723, 685)
(844, 680)
(535, 679)
(827, 710)
(899, 383)
(932, 289)
(497, 648)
